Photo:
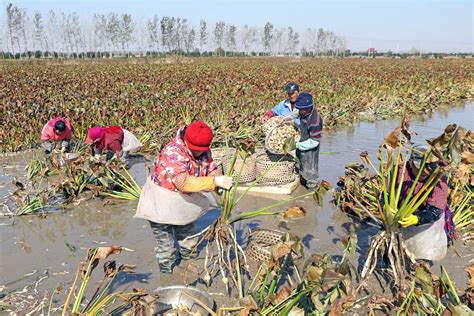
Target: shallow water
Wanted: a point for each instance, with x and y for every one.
(30, 243)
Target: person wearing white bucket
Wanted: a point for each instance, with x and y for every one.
(176, 193)
(115, 141)
(425, 231)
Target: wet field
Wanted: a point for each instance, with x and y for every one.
(46, 250)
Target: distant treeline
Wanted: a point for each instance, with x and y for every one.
(119, 34)
(153, 54)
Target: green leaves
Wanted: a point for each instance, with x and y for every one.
(321, 191)
(228, 94)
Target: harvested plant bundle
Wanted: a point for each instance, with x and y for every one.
(454, 148)
(392, 207)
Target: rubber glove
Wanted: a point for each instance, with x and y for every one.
(187, 183)
(307, 144)
(224, 182)
(408, 221)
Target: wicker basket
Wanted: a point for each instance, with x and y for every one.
(275, 169)
(278, 129)
(224, 156)
(270, 124)
(260, 243)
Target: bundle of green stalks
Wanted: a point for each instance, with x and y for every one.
(123, 185)
(392, 208)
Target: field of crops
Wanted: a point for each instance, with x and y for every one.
(230, 94)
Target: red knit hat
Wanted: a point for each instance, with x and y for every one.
(198, 136)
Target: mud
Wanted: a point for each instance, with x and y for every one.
(39, 245)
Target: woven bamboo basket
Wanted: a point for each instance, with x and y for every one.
(260, 243)
(275, 169)
(279, 134)
(224, 157)
(270, 124)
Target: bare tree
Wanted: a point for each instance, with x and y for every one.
(100, 32)
(181, 33)
(153, 30)
(167, 25)
(296, 42)
(74, 27)
(230, 40)
(52, 29)
(267, 37)
(66, 46)
(14, 26)
(126, 28)
(277, 41)
(23, 20)
(289, 40)
(246, 38)
(219, 33)
(321, 41)
(190, 40)
(113, 30)
(254, 41)
(38, 33)
(202, 34)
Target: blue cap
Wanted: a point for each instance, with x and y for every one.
(292, 87)
(304, 101)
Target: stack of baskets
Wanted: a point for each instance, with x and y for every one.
(274, 169)
(224, 157)
(268, 169)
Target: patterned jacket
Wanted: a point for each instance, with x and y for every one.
(176, 158)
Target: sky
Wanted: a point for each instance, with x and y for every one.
(441, 26)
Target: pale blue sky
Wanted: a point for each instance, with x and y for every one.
(386, 25)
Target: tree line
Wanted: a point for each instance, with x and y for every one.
(113, 34)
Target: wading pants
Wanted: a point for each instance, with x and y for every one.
(166, 235)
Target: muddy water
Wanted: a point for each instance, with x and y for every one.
(39, 246)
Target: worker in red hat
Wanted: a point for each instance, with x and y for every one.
(174, 196)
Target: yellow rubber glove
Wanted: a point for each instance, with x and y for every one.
(410, 220)
(194, 184)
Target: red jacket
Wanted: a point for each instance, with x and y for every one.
(112, 140)
(48, 130)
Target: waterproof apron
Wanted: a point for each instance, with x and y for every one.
(308, 160)
(163, 206)
(427, 241)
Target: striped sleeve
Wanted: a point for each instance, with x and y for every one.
(315, 125)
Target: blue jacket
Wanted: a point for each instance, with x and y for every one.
(284, 109)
